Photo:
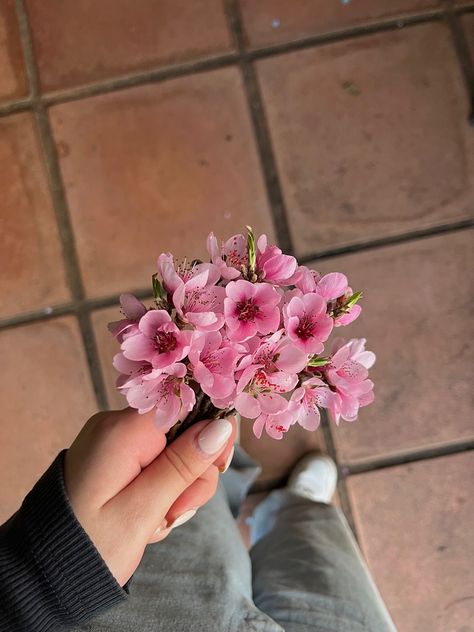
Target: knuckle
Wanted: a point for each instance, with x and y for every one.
(180, 466)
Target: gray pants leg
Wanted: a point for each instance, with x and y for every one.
(308, 573)
(197, 580)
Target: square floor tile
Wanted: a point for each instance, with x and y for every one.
(371, 136)
(13, 82)
(269, 22)
(416, 525)
(417, 317)
(45, 402)
(88, 41)
(155, 169)
(32, 273)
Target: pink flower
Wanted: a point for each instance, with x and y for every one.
(304, 279)
(201, 306)
(213, 363)
(250, 308)
(347, 373)
(306, 401)
(307, 323)
(272, 265)
(159, 341)
(348, 317)
(231, 257)
(275, 425)
(259, 392)
(191, 274)
(193, 292)
(165, 391)
(334, 288)
(133, 310)
(275, 353)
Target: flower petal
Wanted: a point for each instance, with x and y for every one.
(152, 320)
(138, 347)
(332, 285)
(247, 406)
(132, 307)
(272, 403)
(309, 417)
(291, 359)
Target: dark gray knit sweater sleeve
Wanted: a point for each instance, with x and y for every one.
(51, 574)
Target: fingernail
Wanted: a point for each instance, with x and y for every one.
(182, 518)
(162, 527)
(225, 467)
(214, 436)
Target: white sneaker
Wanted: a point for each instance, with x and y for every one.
(314, 477)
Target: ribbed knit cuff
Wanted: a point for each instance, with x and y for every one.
(65, 555)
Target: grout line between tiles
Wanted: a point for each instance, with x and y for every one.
(414, 456)
(28, 318)
(137, 79)
(464, 57)
(261, 132)
(86, 305)
(382, 242)
(12, 107)
(60, 208)
(467, 8)
(360, 30)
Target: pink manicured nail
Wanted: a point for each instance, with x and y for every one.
(214, 436)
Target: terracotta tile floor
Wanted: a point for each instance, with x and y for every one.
(140, 133)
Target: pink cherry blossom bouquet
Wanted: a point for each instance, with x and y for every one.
(243, 332)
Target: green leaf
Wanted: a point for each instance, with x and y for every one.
(252, 253)
(352, 300)
(318, 361)
(158, 290)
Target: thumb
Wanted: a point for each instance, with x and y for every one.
(177, 467)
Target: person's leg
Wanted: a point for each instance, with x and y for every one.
(308, 573)
(198, 579)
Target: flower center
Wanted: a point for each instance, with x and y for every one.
(211, 361)
(305, 328)
(267, 357)
(165, 341)
(247, 310)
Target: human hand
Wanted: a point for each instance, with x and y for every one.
(124, 483)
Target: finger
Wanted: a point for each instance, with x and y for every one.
(193, 498)
(175, 469)
(225, 458)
